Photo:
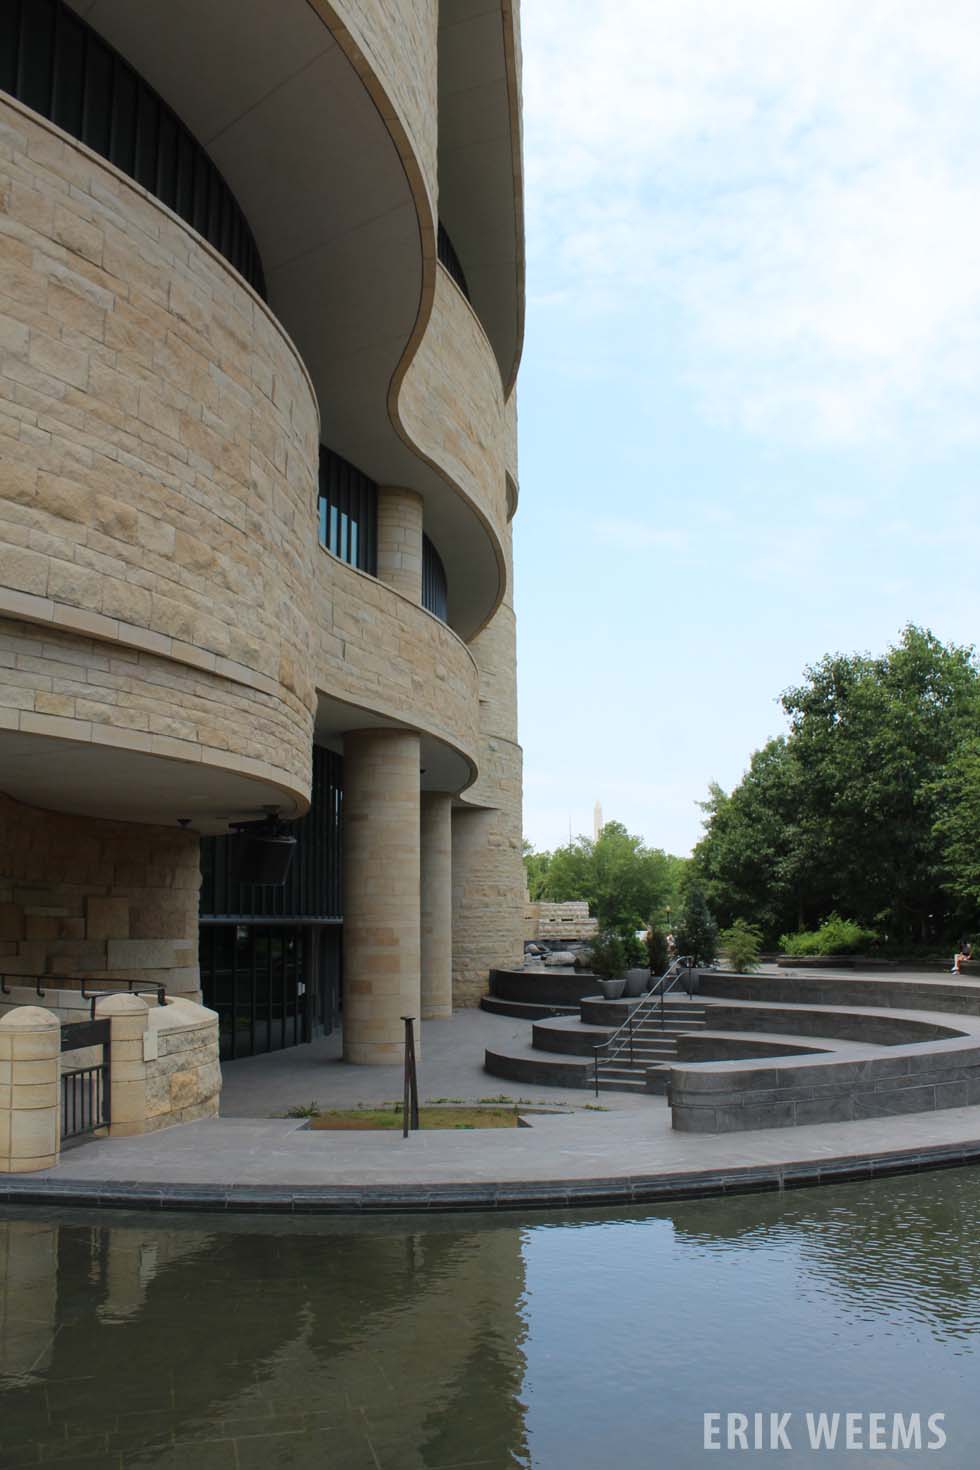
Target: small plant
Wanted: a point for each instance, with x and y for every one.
(304, 1110)
(741, 943)
(607, 956)
(594, 1108)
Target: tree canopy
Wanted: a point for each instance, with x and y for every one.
(624, 881)
(867, 806)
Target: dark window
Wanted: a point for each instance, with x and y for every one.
(447, 256)
(55, 63)
(348, 512)
(435, 589)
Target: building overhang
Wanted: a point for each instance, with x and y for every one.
(347, 241)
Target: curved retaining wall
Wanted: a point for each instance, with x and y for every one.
(879, 1028)
(960, 997)
(542, 987)
(728, 1097)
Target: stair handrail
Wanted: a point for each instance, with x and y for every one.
(654, 998)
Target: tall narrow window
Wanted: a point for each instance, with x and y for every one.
(348, 512)
(435, 588)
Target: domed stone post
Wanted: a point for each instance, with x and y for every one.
(129, 1017)
(30, 1108)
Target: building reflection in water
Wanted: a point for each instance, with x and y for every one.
(306, 1345)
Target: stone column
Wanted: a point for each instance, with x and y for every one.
(437, 904)
(129, 1018)
(400, 541)
(30, 1108)
(381, 892)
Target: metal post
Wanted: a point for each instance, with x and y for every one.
(631, 1040)
(595, 1068)
(410, 1093)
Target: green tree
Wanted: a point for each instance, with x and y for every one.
(622, 880)
(697, 932)
(957, 826)
(536, 866)
(872, 737)
(865, 807)
(759, 856)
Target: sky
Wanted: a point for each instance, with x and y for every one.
(748, 405)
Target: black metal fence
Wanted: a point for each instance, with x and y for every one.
(85, 1091)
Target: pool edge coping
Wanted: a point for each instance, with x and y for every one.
(558, 1194)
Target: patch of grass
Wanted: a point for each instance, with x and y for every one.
(499, 1097)
(304, 1110)
(594, 1108)
(353, 1119)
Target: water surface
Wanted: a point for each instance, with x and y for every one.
(553, 1342)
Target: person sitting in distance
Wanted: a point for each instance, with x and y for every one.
(965, 953)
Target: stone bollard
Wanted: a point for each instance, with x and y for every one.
(30, 1108)
(129, 1018)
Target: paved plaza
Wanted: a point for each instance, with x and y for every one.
(619, 1149)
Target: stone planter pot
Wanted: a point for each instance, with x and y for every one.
(637, 983)
(612, 989)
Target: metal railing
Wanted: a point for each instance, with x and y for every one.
(648, 1007)
(34, 982)
(85, 1091)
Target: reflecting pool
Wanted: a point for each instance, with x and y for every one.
(555, 1342)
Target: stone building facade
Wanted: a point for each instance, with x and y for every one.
(261, 310)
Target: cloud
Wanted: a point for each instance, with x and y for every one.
(793, 184)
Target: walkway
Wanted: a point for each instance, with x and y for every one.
(626, 1153)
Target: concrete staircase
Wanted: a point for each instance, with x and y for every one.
(645, 1067)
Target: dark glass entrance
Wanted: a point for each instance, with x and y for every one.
(254, 977)
(271, 956)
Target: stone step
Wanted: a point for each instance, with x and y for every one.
(524, 1010)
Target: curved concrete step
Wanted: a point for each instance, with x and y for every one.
(568, 1035)
(524, 1010)
(528, 1065)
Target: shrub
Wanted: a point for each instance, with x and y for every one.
(697, 932)
(741, 943)
(608, 956)
(656, 944)
(834, 936)
(633, 948)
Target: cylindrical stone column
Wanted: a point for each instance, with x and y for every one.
(381, 892)
(437, 905)
(30, 1108)
(128, 1016)
(400, 541)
